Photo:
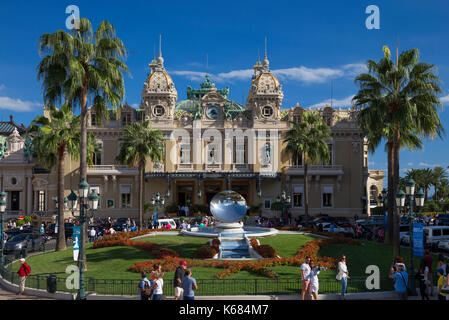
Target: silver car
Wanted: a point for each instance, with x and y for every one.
(23, 241)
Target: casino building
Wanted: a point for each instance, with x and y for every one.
(212, 144)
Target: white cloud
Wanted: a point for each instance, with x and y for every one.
(427, 165)
(191, 75)
(17, 105)
(135, 105)
(410, 164)
(335, 102)
(445, 100)
(300, 74)
(2, 86)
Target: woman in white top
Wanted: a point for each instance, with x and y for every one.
(157, 286)
(343, 276)
(313, 277)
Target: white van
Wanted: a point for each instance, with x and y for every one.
(435, 234)
(164, 222)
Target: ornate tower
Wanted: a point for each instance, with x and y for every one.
(265, 96)
(159, 94)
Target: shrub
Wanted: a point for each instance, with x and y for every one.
(216, 244)
(206, 252)
(171, 208)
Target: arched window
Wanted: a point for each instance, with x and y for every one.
(373, 192)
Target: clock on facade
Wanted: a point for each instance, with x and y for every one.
(212, 111)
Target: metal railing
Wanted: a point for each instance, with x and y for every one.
(209, 287)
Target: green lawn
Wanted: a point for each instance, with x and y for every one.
(113, 263)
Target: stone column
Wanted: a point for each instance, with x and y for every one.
(36, 200)
(105, 184)
(29, 196)
(114, 182)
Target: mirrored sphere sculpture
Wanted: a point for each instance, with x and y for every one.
(228, 207)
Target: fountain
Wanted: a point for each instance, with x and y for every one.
(229, 209)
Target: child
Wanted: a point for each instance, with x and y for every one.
(313, 278)
(157, 286)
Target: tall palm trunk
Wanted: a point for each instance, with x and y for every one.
(396, 149)
(83, 154)
(391, 196)
(141, 193)
(306, 192)
(61, 240)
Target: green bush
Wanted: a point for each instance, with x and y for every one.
(276, 206)
(171, 208)
(378, 211)
(20, 223)
(255, 209)
(27, 219)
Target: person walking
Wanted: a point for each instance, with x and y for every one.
(158, 286)
(144, 287)
(24, 272)
(428, 260)
(442, 263)
(189, 286)
(179, 275)
(343, 276)
(400, 277)
(305, 272)
(421, 276)
(442, 281)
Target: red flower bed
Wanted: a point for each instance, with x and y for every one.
(206, 252)
(169, 259)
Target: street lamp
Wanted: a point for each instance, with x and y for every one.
(157, 201)
(3, 196)
(400, 202)
(83, 189)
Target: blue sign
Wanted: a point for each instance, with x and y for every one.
(76, 242)
(418, 240)
(155, 214)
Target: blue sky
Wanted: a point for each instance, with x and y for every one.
(310, 44)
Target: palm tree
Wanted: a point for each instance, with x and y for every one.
(427, 179)
(308, 138)
(443, 189)
(140, 142)
(438, 174)
(398, 102)
(53, 139)
(83, 67)
(80, 66)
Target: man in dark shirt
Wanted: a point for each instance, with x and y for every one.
(428, 261)
(179, 274)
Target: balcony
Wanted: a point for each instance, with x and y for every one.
(322, 170)
(213, 167)
(112, 170)
(240, 167)
(184, 167)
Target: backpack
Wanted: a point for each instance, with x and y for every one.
(147, 289)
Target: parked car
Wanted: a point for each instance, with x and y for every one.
(443, 219)
(68, 230)
(404, 232)
(443, 245)
(23, 241)
(163, 222)
(434, 235)
(347, 231)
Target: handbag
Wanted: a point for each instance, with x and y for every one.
(409, 291)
